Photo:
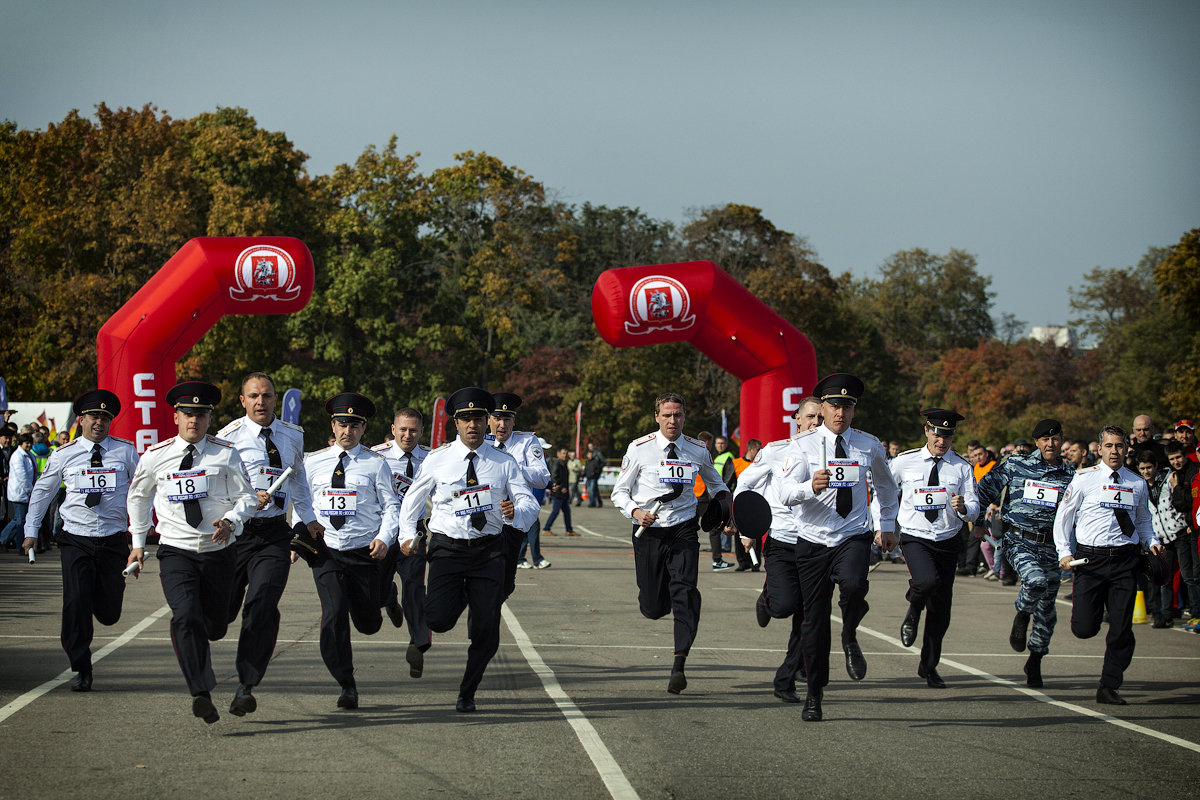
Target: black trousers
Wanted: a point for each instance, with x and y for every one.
(262, 562)
(411, 569)
(92, 587)
(467, 575)
(198, 587)
(513, 539)
(819, 568)
(348, 586)
(743, 555)
(931, 567)
(666, 561)
(782, 592)
(1107, 581)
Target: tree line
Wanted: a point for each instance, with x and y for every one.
(473, 274)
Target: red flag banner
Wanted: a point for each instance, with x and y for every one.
(578, 430)
(438, 435)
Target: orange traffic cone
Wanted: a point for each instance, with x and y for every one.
(1139, 608)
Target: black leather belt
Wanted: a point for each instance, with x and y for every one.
(478, 541)
(1039, 538)
(264, 522)
(1120, 550)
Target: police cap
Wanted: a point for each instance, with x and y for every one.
(349, 407)
(506, 404)
(470, 400)
(1047, 427)
(97, 401)
(193, 396)
(942, 420)
(839, 389)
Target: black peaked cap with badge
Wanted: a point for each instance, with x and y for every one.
(942, 420)
(506, 404)
(193, 396)
(839, 389)
(349, 407)
(97, 401)
(471, 400)
(1047, 427)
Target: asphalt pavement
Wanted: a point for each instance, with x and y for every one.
(575, 705)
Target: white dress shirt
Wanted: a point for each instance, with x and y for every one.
(647, 474)
(399, 462)
(865, 461)
(22, 472)
(955, 477)
(368, 494)
(1088, 510)
(527, 450)
(252, 447)
(444, 476)
(158, 478)
(71, 464)
(761, 476)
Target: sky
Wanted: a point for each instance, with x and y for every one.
(1047, 138)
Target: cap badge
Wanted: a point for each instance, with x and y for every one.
(350, 410)
(195, 399)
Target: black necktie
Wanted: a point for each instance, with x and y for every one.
(93, 499)
(408, 470)
(933, 481)
(845, 497)
(339, 482)
(478, 519)
(191, 508)
(1122, 515)
(272, 458)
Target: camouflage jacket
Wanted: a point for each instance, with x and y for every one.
(1035, 513)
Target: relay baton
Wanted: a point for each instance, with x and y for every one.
(1078, 562)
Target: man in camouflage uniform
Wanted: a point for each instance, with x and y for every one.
(1028, 490)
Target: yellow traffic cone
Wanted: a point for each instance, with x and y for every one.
(1139, 608)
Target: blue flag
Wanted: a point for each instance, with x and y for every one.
(3, 395)
(291, 406)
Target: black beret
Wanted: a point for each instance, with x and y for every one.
(506, 404)
(839, 389)
(194, 396)
(97, 401)
(470, 399)
(941, 419)
(1047, 427)
(349, 405)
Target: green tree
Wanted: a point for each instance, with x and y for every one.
(1177, 277)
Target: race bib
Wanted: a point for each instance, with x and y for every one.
(189, 484)
(1117, 497)
(96, 480)
(675, 471)
(263, 477)
(401, 482)
(930, 498)
(843, 472)
(472, 500)
(338, 503)
(1038, 493)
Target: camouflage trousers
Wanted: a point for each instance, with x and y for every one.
(1037, 564)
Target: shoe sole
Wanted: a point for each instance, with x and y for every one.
(677, 683)
(241, 706)
(203, 708)
(416, 661)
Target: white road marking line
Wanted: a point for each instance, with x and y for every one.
(1039, 696)
(610, 771)
(623, 540)
(125, 638)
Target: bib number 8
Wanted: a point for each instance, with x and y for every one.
(184, 486)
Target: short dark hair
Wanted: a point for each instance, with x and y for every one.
(974, 443)
(1171, 447)
(1107, 430)
(408, 412)
(24, 438)
(704, 436)
(1146, 456)
(668, 397)
(261, 376)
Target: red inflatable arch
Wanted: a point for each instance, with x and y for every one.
(138, 346)
(698, 302)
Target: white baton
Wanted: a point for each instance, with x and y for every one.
(1078, 562)
(283, 476)
(653, 510)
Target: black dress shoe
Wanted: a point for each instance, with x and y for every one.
(416, 661)
(932, 679)
(908, 628)
(812, 707)
(203, 708)
(243, 702)
(82, 682)
(789, 696)
(760, 611)
(677, 683)
(856, 662)
(1033, 671)
(394, 611)
(464, 704)
(348, 698)
(1019, 634)
(1109, 697)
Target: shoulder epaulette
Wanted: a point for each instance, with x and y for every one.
(906, 452)
(160, 444)
(777, 443)
(315, 452)
(423, 447)
(119, 439)
(649, 437)
(384, 446)
(291, 425)
(73, 441)
(218, 441)
(693, 441)
(808, 432)
(444, 445)
(871, 437)
(233, 426)
(373, 453)
(1089, 469)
